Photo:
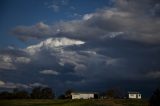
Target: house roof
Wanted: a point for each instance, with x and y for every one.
(133, 92)
(84, 93)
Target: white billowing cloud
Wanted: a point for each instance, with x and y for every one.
(56, 42)
(49, 72)
(78, 60)
(52, 43)
(57, 5)
(6, 58)
(115, 34)
(56, 8)
(87, 16)
(80, 67)
(72, 57)
(1, 83)
(7, 66)
(37, 84)
(85, 62)
(42, 26)
(12, 85)
(89, 52)
(9, 62)
(114, 61)
(6, 62)
(22, 60)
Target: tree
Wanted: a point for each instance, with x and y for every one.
(42, 93)
(102, 95)
(36, 93)
(110, 93)
(20, 94)
(47, 93)
(115, 93)
(6, 95)
(68, 93)
(155, 98)
(96, 96)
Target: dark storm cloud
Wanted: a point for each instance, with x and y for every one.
(12, 85)
(131, 20)
(111, 45)
(36, 31)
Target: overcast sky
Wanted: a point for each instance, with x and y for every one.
(87, 45)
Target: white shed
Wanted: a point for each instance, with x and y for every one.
(134, 95)
(79, 95)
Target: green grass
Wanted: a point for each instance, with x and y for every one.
(105, 102)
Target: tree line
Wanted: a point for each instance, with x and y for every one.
(48, 93)
(36, 93)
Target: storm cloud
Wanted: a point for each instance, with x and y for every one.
(120, 44)
(131, 20)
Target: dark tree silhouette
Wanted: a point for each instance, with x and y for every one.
(110, 93)
(36, 93)
(42, 93)
(47, 93)
(6, 95)
(20, 94)
(96, 96)
(115, 93)
(68, 93)
(155, 98)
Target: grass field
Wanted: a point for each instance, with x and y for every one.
(107, 102)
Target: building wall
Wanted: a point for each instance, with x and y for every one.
(139, 96)
(75, 96)
(82, 96)
(134, 96)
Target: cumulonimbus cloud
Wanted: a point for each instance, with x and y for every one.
(117, 43)
(53, 43)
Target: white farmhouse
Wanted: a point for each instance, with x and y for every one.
(134, 95)
(78, 95)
